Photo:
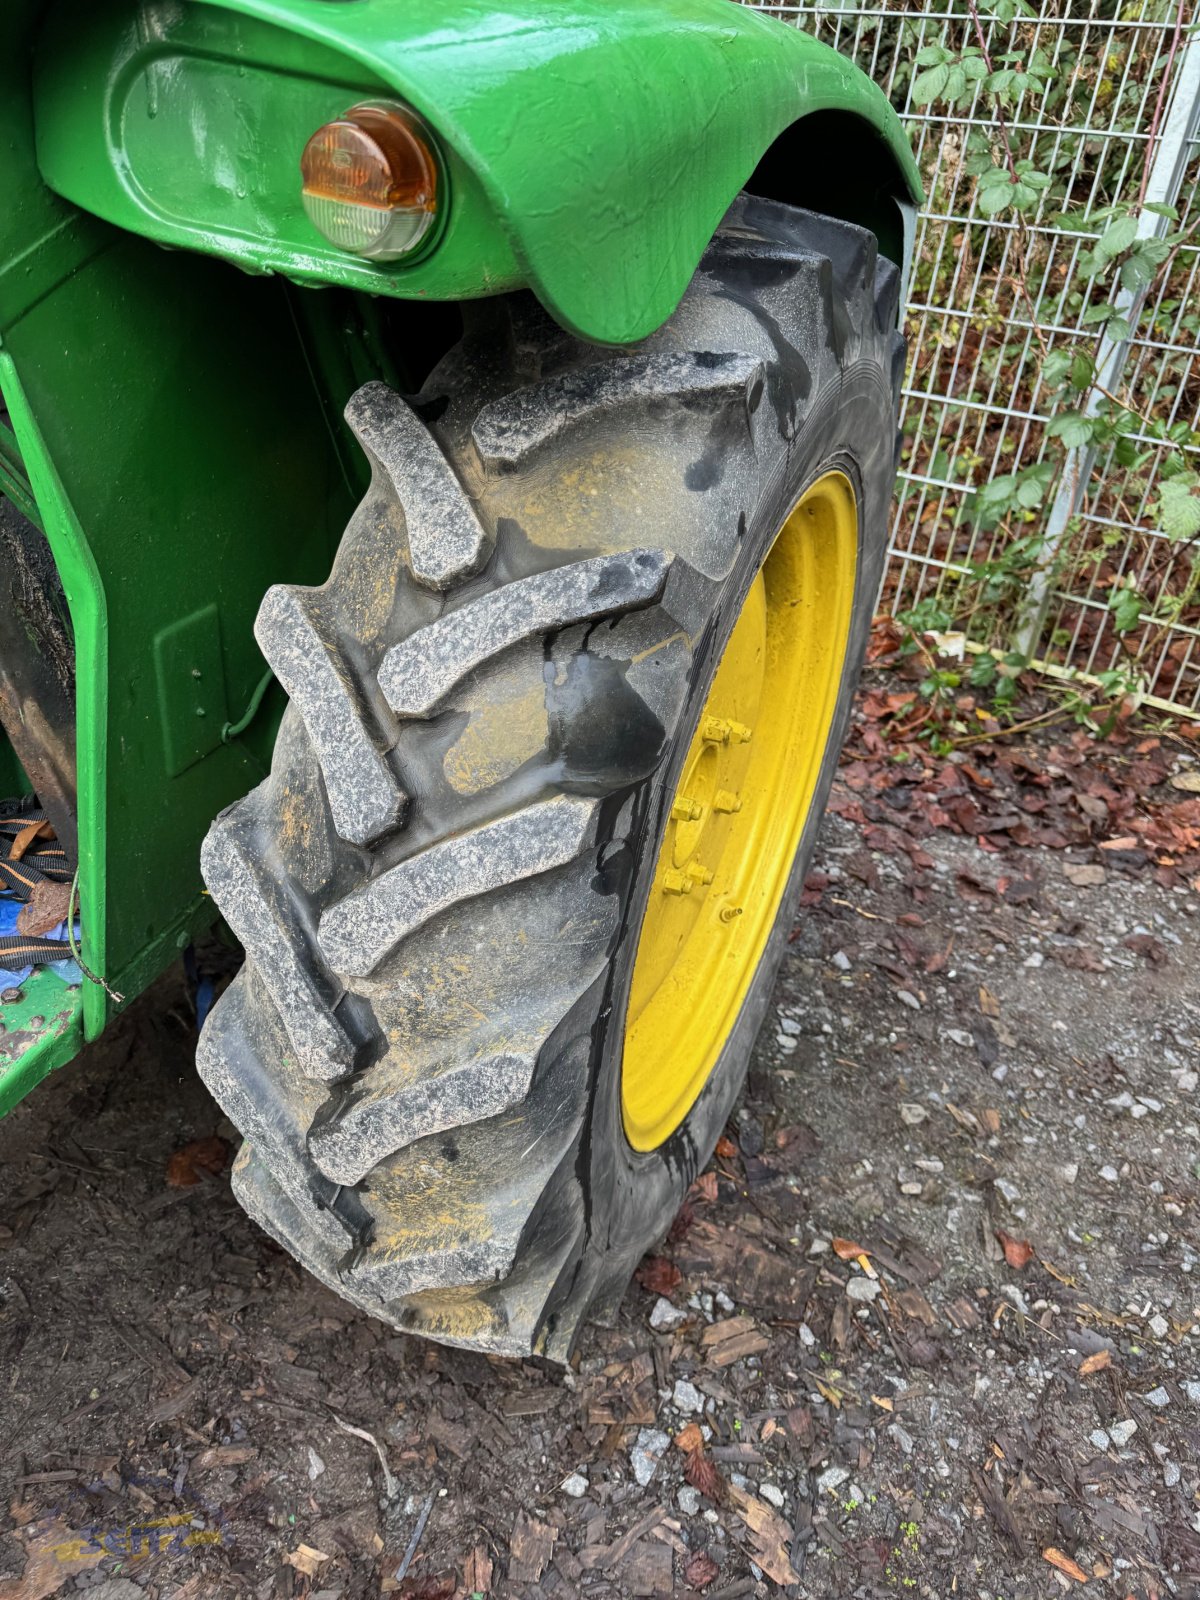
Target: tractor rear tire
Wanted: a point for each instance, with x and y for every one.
(471, 846)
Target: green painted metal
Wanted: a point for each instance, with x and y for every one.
(42, 1030)
(592, 146)
(174, 427)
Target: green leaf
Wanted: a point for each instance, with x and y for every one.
(1117, 237)
(929, 85)
(932, 55)
(1179, 506)
(1073, 428)
(1126, 607)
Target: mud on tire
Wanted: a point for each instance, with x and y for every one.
(440, 885)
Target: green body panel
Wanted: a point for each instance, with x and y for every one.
(42, 1030)
(166, 418)
(592, 146)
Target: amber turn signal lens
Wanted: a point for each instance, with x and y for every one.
(371, 181)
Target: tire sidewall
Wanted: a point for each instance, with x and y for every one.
(635, 1195)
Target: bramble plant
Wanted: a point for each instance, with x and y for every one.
(1005, 89)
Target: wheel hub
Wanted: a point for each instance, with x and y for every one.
(738, 814)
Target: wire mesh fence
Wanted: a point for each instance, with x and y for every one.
(1047, 517)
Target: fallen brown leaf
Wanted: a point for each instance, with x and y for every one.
(726, 1147)
(1064, 1564)
(431, 1587)
(1095, 1362)
(847, 1250)
(988, 1003)
(689, 1438)
(705, 1187)
(700, 1570)
(1017, 1252)
(201, 1155)
(700, 1470)
(657, 1275)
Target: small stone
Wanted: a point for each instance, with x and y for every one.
(789, 1025)
(1085, 876)
(785, 1042)
(647, 1452)
(575, 1485)
(901, 1438)
(1122, 1432)
(1186, 1079)
(771, 1492)
(1170, 1474)
(864, 1289)
(818, 1247)
(1150, 1103)
(841, 961)
(315, 1465)
(912, 1113)
(1159, 1325)
(686, 1397)
(1100, 1439)
(665, 1316)
(1157, 1397)
(1191, 1388)
(1122, 1101)
(907, 998)
(1110, 1174)
(724, 1303)
(1034, 961)
(832, 1478)
(1070, 1172)
(688, 1500)
(1009, 1190)
(807, 1337)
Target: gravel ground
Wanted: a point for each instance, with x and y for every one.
(928, 1324)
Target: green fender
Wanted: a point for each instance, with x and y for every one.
(591, 146)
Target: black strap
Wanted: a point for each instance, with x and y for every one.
(17, 951)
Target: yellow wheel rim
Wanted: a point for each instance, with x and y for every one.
(739, 811)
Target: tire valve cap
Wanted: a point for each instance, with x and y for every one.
(699, 874)
(676, 883)
(685, 810)
(725, 800)
(730, 913)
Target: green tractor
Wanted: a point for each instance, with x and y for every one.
(446, 452)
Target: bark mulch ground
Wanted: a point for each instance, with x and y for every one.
(927, 1324)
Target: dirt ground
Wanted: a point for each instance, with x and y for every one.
(928, 1324)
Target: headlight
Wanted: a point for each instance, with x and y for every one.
(371, 181)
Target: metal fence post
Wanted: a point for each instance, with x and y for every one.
(1168, 164)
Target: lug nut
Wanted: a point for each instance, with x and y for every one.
(725, 800)
(685, 810)
(699, 874)
(717, 730)
(676, 883)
